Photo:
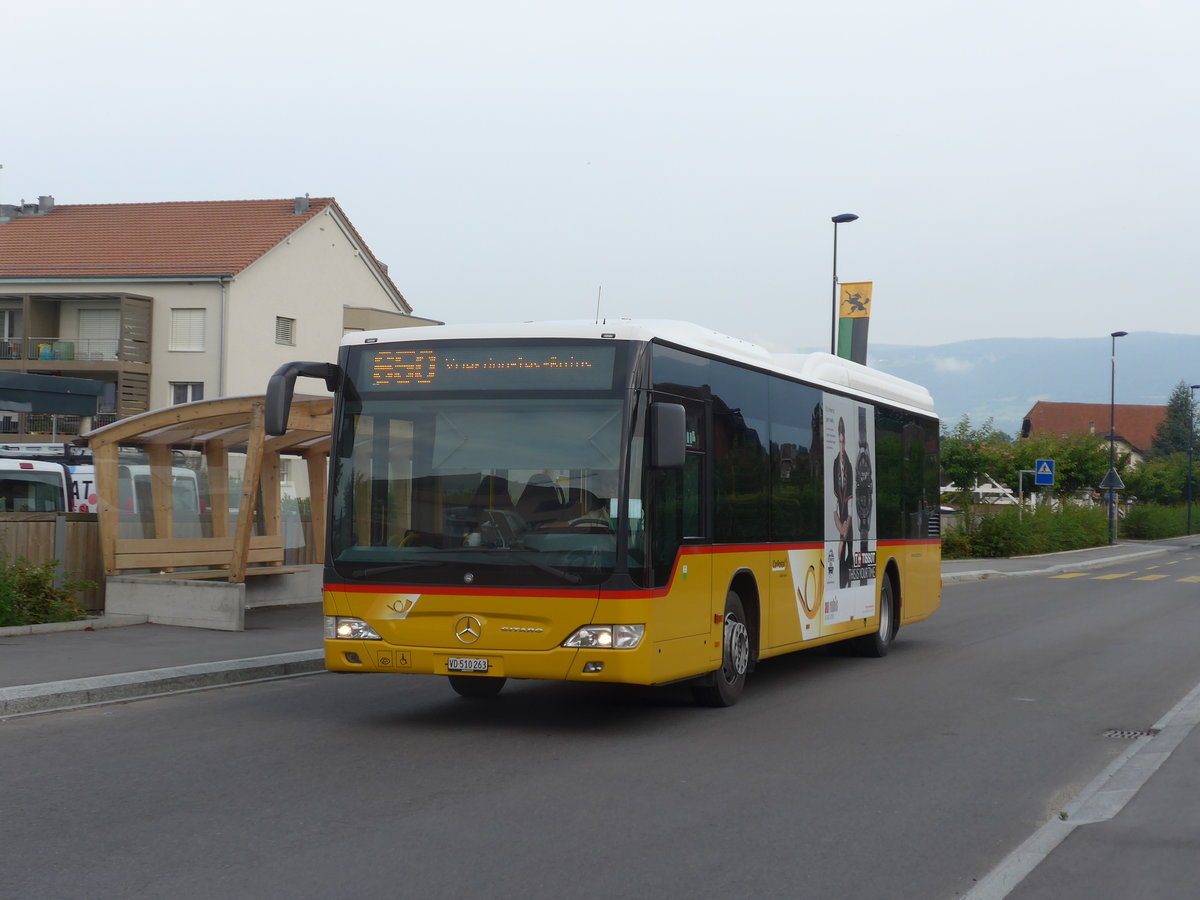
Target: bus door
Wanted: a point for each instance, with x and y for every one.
(678, 521)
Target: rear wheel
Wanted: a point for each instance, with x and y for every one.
(476, 686)
(724, 687)
(877, 644)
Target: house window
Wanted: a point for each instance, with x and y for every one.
(186, 391)
(10, 342)
(187, 329)
(108, 397)
(285, 330)
(8, 322)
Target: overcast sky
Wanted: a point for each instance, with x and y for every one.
(1024, 168)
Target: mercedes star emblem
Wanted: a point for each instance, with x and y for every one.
(468, 629)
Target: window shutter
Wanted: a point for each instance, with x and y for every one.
(187, 329)
(99, 333)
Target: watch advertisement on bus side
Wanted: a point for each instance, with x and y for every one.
(850, 537)
(836, 585)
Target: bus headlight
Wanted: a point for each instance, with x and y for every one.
(607, 637)
(349, 629)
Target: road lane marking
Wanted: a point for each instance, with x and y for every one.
(1191, 579)
(1070, 575)
(1112, 577)
(1151, 577)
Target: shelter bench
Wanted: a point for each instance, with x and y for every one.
(199, 557)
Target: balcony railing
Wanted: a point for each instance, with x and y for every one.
(59, 348)
(50, 424)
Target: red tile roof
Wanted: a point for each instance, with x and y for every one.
(148, 239)
(1135, 425)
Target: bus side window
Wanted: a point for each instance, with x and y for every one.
(693, 520)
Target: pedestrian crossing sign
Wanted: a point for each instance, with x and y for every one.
(1043, 472)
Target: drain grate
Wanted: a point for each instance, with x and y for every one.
(1127, 734)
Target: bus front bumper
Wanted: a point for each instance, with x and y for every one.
(558, 664)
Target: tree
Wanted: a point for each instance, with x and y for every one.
(1161, 480)
(1080, 460)
(1174, 431)
(969, 453)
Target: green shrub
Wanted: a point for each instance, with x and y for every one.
(956, 544)
(999, 535)
(1069, 528)
(1008, 532)
(28, 595)
(1151, 522)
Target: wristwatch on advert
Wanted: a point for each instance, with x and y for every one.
(864, 487)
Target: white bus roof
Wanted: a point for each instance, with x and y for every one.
(819, 369)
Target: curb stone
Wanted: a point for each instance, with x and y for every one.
(58, 695)
(91, 623)
(984, 574)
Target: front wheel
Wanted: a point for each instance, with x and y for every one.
(724, 686)
(476, 686)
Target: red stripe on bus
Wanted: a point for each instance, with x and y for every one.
(444, 589)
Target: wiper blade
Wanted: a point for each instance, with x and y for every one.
(568, 577)
(384, 570)
(523, 555)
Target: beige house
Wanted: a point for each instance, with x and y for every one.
(165, 303)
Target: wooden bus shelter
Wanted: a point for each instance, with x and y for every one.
(213, 428)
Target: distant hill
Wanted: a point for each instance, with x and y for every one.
(1002, 378)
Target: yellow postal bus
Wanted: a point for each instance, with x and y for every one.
(639, 502)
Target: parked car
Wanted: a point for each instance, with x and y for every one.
(134, 492)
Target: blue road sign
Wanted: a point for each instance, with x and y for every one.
(1043, 472)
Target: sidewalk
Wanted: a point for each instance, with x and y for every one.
(1139, 811)
(959, 570)
(59, 669)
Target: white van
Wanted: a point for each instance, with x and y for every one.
(32, 485)
(134, 490)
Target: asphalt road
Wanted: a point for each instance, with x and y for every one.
(906, 777)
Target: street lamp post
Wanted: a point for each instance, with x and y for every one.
(1113, 480)
(837, 220)
(1191, 431)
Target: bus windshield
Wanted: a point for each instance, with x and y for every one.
(484, 489)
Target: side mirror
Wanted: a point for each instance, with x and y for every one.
(668, 436)
(283, 384)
